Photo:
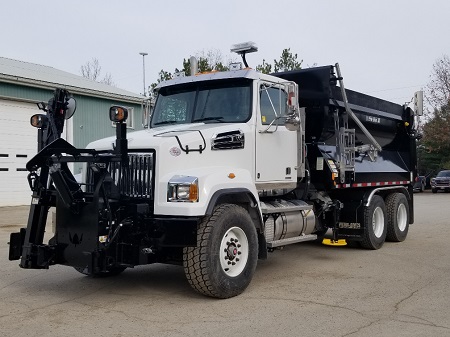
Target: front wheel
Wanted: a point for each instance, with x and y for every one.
(224, 260)
(398, 217)
(374, 224)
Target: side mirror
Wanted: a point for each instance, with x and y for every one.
(147, 107)
(418, 103)
(292, 121)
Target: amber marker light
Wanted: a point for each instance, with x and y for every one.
(231, 175)
(38, 121)
(193, 193)
(118, 114)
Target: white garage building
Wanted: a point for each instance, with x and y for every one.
(22, 85)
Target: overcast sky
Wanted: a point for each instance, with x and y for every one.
(385, 48)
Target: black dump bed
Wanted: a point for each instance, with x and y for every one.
(389, 123)
(318, 92)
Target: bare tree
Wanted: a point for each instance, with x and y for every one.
(92, 70)
(434, 147)
(438, 89)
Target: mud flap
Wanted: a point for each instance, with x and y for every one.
(16, 241)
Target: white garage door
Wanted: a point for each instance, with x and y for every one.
(18, 144)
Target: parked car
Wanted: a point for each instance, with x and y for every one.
(419, 184)
(441, 182)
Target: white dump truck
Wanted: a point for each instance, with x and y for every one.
(232, 165)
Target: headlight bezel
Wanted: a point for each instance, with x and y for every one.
(182, 189)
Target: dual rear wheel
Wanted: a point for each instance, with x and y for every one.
(386, 219)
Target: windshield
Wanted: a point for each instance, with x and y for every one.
(208, 102)
(444, 174)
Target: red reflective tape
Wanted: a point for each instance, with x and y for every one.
(373, 184)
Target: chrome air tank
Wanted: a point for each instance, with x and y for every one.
(287, 218)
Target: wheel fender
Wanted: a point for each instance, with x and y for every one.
(213, 183)
(384, 191)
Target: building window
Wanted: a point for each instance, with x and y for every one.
(130, 120)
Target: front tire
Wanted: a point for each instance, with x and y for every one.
(397, 209)
(224, 260)
(374, 224)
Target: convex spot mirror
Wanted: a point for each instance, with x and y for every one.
(71, 106)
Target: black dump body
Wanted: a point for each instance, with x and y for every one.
(389, 123)
(388, 170)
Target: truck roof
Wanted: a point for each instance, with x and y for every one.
(218, 75)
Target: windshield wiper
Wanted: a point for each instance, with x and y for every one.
(219, 119)
(165, 122)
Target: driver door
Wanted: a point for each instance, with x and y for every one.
(276, 147)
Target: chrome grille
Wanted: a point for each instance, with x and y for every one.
(134, 181)
(442, 182)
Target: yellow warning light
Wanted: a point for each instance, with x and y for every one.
(231, 175)
(406, 124)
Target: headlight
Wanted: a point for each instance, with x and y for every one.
(182, 189)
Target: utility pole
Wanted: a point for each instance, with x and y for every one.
(143, 68)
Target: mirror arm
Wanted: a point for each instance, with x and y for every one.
(270, 125)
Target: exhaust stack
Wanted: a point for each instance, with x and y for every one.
(194, 65)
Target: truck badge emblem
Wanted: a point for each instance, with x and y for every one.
(175, 151)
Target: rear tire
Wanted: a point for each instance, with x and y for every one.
(397, 209)
(224, 260)
(374, 224)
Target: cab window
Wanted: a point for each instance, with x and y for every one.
(272, 104)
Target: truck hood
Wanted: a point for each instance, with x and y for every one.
(190, 137)
(442, 179)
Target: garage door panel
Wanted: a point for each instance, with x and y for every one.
(18, 144)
